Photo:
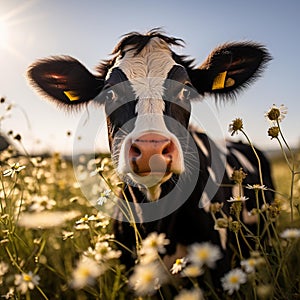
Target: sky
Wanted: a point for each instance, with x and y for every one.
(89, 30)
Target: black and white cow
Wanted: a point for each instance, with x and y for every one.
(147, 90)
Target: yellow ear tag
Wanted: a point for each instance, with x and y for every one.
(72, 95)
(219, 81)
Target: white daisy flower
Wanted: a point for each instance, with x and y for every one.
(67, 235)
(290, 233)
(232, 280)
(147, 279)
(179, 264)
(103, 252)
(204, 254)
(238, 199)
(14, 169)
(41, 203)
(154, 242)
(103, 197)
(249, 264)
(86, 272)
(192, 271)
(256, 187)
(194, 294)
(276, 113)
(3, 268)
(26, 281)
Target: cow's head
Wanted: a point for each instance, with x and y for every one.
(146, 89)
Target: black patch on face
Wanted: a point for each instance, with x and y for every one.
(120, 104)
(177, 107)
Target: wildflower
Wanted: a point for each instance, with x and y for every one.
(103, 197)
(276, 113)
(9, 294)
(290, 233)
(234, 226)
(14, 169)
(273, 132)
(238, 176)
(102, 252)
(256, 187)
(235, 126)
(3, 268)
(204, 254)
(154, 242)
(249, 264)
(238, 199)
(233, 279)
(82, 226)
(84, 219)
(67, 235)
(221, 223)
(194, 294)
(41, 203)
(147, 279)
(26, 281)
(86, 272)
(265, 291)
(179, 264)
(192, 271)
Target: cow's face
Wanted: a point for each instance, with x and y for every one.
(146, 89)
(148, 109)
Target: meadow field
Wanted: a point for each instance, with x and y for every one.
(56, 244)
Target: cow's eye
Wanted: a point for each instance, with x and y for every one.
(184, 94)
(110, 95)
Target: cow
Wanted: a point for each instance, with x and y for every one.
(172, 171)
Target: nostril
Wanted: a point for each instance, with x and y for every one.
(134, 151)
(168, 148)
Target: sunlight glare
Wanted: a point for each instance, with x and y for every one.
(3, 34)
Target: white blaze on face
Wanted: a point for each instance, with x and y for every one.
(147, 72)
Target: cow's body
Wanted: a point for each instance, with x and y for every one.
(147, 91)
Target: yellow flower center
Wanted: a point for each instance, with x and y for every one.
(27, 277)
(234, 279)
(203, 254)
(147, 277)
(153, 244)
(84, 272)
(251, 262)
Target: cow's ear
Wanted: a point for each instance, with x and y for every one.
(64, 80)
(230, 68)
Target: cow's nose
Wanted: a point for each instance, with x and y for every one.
(152, 152)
